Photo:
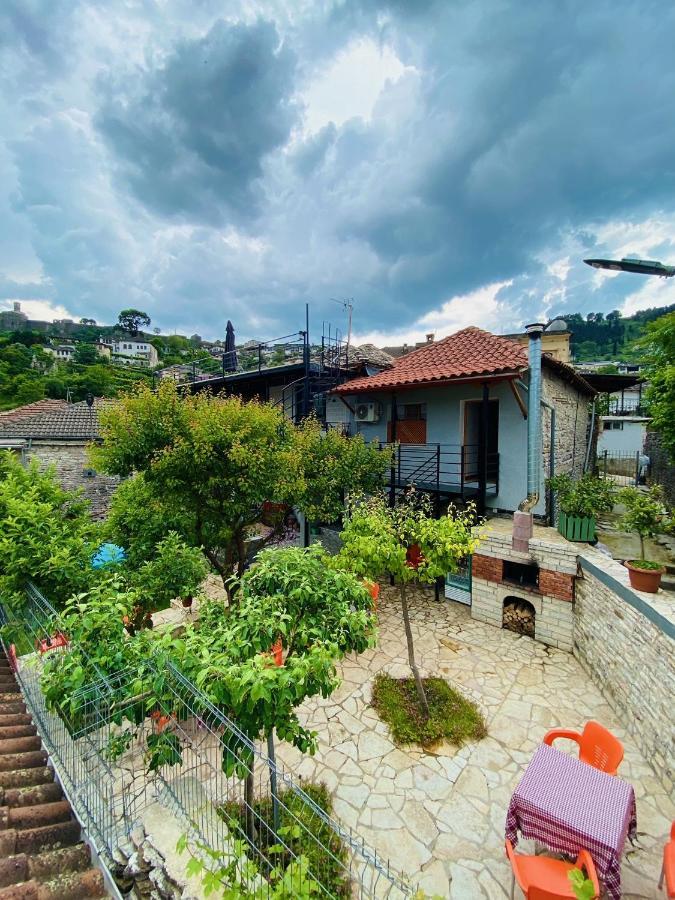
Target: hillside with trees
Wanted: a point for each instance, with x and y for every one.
(611, 336)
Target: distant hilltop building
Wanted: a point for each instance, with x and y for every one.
(13, 319)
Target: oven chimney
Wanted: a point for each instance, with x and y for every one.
(522, 518)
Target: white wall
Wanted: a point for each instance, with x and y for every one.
(629, 438)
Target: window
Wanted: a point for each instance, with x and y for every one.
(612, 426)
(413, 411)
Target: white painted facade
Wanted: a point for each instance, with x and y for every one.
(622, 434)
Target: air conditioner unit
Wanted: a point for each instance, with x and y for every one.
(368, 412)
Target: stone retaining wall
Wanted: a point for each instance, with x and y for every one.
(627, 647)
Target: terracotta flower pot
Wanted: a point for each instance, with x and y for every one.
(647, 580)
(186, 602)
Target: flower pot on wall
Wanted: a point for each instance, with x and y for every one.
(576, 528)
(186, 602)
(647, 580)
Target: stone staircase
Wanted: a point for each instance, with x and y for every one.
(42, 856)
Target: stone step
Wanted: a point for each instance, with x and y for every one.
(20, 744)
(9, 691)
(7, 732)
(22, 778)
(10, 762)
(37, 816)
(17, 718)
(34, 795)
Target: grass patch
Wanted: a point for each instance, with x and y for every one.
(453, 717)
(306, 835)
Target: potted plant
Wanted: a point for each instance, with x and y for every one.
(647, 515)
(581, 500)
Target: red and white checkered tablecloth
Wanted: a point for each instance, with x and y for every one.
(567, 805)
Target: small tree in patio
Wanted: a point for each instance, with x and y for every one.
(407, 543)
(319, 614)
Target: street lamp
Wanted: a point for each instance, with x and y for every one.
(630, 264)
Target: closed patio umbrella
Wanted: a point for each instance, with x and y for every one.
(230, 355)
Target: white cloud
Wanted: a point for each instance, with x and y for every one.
(481, 308)
(41, 310)
(351, 85)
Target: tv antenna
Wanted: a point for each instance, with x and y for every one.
(348, 306)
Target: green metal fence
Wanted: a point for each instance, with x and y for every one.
(100, 753)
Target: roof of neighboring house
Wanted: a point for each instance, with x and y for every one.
(469, 353)
(31, 409)
(72, 422)
(369, 353)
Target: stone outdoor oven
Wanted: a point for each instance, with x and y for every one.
(530, 592)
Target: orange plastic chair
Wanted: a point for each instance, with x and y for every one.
(597, 746)
(668, 867)
(542, 878)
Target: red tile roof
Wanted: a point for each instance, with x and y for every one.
(19, 413)
(469, 353)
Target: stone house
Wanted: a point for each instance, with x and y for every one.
(58, 434)
(458, 410)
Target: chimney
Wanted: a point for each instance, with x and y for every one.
(17, 306)
(430, 337)
(522, 518)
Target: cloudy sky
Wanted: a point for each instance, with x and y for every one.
(441, 162)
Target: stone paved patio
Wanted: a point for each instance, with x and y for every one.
(439, 816)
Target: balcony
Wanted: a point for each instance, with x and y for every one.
(452, 469)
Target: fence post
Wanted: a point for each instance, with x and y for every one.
(271, 756)
(605, 458)
(637, 467)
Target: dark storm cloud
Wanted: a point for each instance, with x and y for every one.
(191, 136)
(538, 118)
(156, 156)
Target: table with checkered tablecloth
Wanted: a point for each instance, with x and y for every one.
(567, 805)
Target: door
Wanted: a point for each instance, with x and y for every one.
(472, 416)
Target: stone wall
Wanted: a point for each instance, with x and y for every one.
(571, 424)
(661, 469)
(626, 645)
(73, 471)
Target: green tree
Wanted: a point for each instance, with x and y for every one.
(46, 533)
(646, 513)
(176, 571)
(138, 520)
(27, 388)
(133, 320)
(17, 358)
(408, 544)
(87, 321)
(318, 612)
(220, 459)
(86, 355)
(659, 343)
(332, 465)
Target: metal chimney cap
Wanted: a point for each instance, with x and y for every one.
(535, 328)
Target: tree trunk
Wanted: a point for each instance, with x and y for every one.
(642, 547)
(411, 653)
(271, 756)
(251, 830)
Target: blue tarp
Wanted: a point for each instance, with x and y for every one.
(107, 555)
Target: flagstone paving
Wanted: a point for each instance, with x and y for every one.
(439, 816)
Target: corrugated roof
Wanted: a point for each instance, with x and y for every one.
(469, 353)
(75, 421)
